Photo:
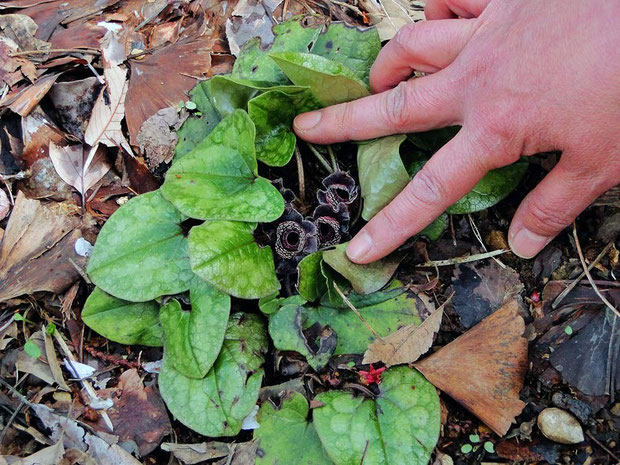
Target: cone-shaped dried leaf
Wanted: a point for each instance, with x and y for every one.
(141, 253)
(194, 339)
(400, 427)
(365, 279)
(484, 368)
(288, 425)
(122, 321)
(225, 254)
(218, 179)
(217, 404)
(330, 82)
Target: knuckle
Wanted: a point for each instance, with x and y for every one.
(344, 119)
(389, 219)
(406, 37)
(426, 188)
(546, 219)
(396, 106)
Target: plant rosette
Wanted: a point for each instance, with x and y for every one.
(226, 223)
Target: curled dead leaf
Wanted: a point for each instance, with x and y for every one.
(484, 368)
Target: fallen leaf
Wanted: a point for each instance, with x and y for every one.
(73, 101)
(139, 414)
(190, 454)
(157, 137)
(14, 69)
(39, 366)
(37, 249)
(23, 101)
(21, 29)
(249, 19)
(481, 287)
(389, 16)
(407, 344)
(73, 435)
(484, 368)
(51, 455)
(69, 162)
(50, 354)
(5, 205)
(151, 90)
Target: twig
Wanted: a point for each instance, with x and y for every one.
(576, 281)
(476, 231)
(346, 5)
(56, 50)
(356, 311)
(598, 443)
(320, 157)
(11, 420)
(332, 157)
(465, 259)
(588, 275)
(300, 175)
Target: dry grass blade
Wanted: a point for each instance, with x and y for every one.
(465, 259)
(484, 369)
(356, 311)
(408, 343)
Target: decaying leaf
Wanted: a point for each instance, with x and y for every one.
(39, 366)
(51, 455)
(37, 251)
(157, 137)
(73, 101)
(390, 15)
(484, 368)
(407, 344)
(249, 19)
(5, 205)
(23, 101)
(69, 162)
(189, 454)
(150, 89)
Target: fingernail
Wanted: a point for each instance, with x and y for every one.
(360, 246)
(526, 244)
(307, 121)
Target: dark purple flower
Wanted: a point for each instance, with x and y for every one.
(331, 224)
(340, 188)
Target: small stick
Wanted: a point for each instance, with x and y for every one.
(356, 311)
(588, 275)
(320, 158)
(465, 259)
(570, 287)
(598, 443)
(476, 231)
(56, 50)
(300, 175)
(332, 157)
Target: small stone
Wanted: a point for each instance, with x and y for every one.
(560, 426)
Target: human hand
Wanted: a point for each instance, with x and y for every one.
(521, 78)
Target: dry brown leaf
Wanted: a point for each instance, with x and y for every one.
(21, 29)
(37, 249)
(390, 15)
(249, 19)
(38, 367)
(73, 102)
(51, 455)
(150, 89)
(26, 99)
(484, 368)
(157, 137)
(5, 205)
(50, 354)
(14, 69)
(407, 344)
(69, 162)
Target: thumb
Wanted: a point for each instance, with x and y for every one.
(559, 198)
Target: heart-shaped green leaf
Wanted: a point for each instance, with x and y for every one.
(217, 404)
(382, 173)
(141, 253)
(286, 330)
(311, 283)
(194, 339)
(253, 61)
(400, 426)
(225, 254)
(330, 82)
(285, 426)
(273, 113)
(355, 48)
(218, 178)
(365, 279)
(495, 186)
(434, 230)
(122, 321)
(384, 311)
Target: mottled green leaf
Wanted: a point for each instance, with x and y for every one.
(196, 128)
(283, 427)
(218, 178)
(225, 254)
(286, 330)
(495, 186)
(271, 304)
(330, 82)
(194, 338)
(385, 311)
(400, 427)
(141, 253)
(273, 113)
(355, 48)
(311, 283)
(382, 173)
(365, 279)
(254, 63)
(122, 321)
(217, 404)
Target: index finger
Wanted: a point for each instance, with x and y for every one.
(416, 105)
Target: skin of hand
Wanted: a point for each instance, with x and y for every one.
(520, 78)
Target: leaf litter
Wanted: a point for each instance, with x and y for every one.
(126, 107)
